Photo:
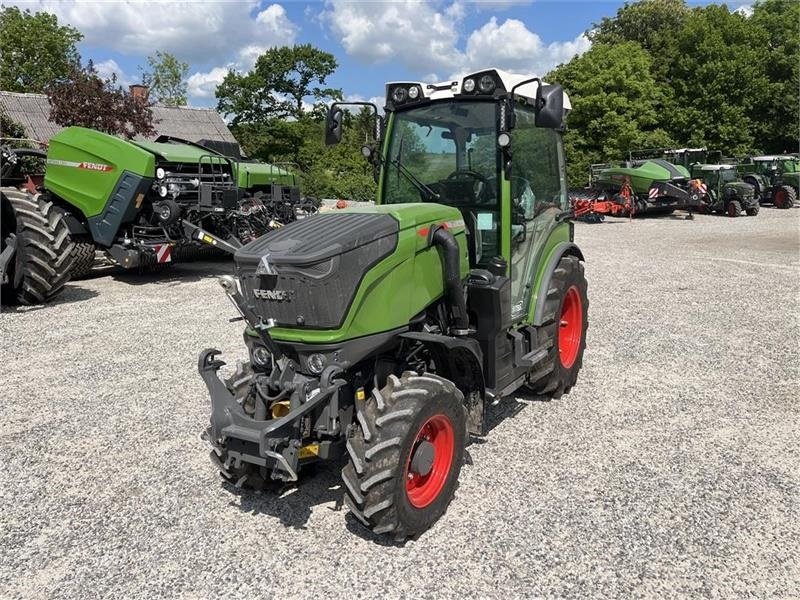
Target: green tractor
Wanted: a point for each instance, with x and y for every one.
(776, 179)
(138, 202)
(380, 334)
(723, 191)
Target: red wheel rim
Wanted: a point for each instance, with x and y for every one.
(779, 198)
(424, 489)
(570, 327)
(731, 210)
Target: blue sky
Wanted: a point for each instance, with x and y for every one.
(374, 42)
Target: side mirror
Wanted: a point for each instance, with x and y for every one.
(333, 126)
(549, 106)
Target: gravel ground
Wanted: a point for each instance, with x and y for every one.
(670, 470)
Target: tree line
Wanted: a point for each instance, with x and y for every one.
(659, 73)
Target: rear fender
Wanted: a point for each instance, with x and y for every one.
(561, 250)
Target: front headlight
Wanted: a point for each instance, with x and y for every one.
(486, 84)
(469, 85)
(162, 191)
(261, 356)
(400, 94)
(160, 173)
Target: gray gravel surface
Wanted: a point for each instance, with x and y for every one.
(670, 470)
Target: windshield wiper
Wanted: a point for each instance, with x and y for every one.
(421, 187)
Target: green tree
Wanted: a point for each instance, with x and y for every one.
(281, 82)
(85, 99)
(776, 112)
(166, 78)
(615, 105)
(718, 78)
(35, 50)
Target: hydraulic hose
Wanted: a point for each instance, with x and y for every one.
(451, 267)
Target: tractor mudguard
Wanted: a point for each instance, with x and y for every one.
(561, 250)
(461, 361)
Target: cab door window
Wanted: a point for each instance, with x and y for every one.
(538, 195)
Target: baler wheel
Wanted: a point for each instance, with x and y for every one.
(82, 256)
(43, 259)
(734, 208)
(784, 196)
(405, 455)
(566, 309)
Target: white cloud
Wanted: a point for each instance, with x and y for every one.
(203, 85)
(214, 32)
(425, 36)
(746, 10)
(408, 31)
(107, 68)
(194, 32)
(513, 47)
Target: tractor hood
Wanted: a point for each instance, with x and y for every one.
(306, 273)
(741, 189)
(176, 153)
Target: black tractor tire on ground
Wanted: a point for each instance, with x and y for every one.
(752, 211)
(82, 256)
(382, 488)
(43, 260)
(734, 208)
(784, 196)
(564, 331)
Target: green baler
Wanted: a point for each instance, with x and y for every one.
(136, 201)
(379, 334)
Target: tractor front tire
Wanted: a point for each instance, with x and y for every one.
(734, 208)
(405, 454)
(784, 196)
(43, 259)
(564, 330)
(752, 211)
(82, 256)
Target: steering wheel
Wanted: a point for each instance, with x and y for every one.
(474, 174)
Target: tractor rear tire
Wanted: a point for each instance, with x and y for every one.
(82, 257)
(734, 208)
(566, 321)
(752, 211)
(43, 259)
(405, 454)
(784, 196)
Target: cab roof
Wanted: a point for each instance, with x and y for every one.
(504, 80)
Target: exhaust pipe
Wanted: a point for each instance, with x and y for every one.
(451, 267)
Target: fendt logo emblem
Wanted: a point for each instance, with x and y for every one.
(276, 295)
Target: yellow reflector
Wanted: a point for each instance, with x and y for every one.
(308, 451)
(360, 395)
(280, 409)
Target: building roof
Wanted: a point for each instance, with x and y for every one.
(194, 124)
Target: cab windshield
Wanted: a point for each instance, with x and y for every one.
(728, 175)
(450, 148)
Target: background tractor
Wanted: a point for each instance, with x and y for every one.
(140, 203)
(723, 191)
(380, 333)
(776, 179)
